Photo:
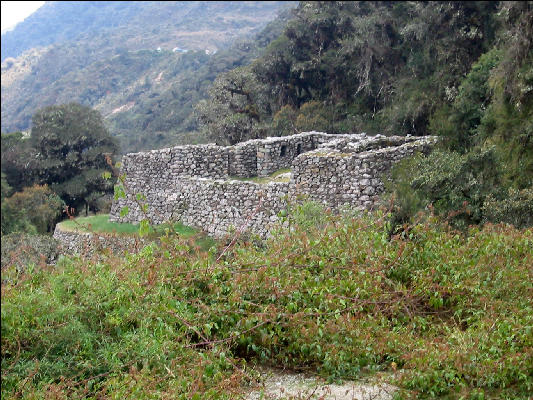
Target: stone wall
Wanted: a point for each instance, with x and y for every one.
(220, 207)
(339, 173)
(158, 173)
(333, 169)
(276, 153)
(88, 244)
(243, 159)
(157, 166)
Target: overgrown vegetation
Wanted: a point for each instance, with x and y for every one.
(447, 315)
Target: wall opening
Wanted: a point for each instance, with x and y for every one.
(283, 151)
(299, 149)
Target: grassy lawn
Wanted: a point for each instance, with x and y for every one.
(101, 224)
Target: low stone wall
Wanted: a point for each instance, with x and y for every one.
(88, 244)
(220, 207)
(216, 206)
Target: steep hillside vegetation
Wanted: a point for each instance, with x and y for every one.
(381, 67)
(137, 25)
(128, 70)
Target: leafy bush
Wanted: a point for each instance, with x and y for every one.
(451, 314)
(283, 122)
(35, 209)
(455, 185)
(313, 116)
(516, 208)
(306, 214)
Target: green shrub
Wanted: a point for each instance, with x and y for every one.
(454, 185)
(36, 208)
(313, 116)
(516, 208)
(283, 122)
(308, 214)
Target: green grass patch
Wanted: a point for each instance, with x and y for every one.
(450, 312)
(101, 224)
(274, 177)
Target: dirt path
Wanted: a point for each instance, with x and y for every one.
(278, 384)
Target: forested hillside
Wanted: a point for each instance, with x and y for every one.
(144, 70)
(380, 67)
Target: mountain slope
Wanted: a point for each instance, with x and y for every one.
(128, 69)
(141, 23)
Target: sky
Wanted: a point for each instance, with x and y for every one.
(14, 12)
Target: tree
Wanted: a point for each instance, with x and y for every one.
(236, 108)
(6, 189)
(70, 143)
(17, 156)
(35, 209)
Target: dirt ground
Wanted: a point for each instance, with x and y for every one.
(278, 384)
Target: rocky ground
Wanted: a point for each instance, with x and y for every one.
(278, 384)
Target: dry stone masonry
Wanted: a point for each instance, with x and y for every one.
(90, 244)
(203, 186)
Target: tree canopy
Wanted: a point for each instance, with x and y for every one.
(70, 144)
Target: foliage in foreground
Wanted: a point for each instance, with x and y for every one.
(450, 313)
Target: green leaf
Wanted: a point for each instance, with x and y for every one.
(144, 227)
(119, 192)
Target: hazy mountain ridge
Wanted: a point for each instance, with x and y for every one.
(59, 22)
(112, 68)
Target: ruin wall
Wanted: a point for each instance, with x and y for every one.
(335, 170)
